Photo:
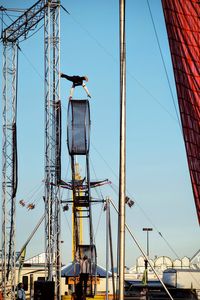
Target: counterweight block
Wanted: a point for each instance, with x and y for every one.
(78, 127)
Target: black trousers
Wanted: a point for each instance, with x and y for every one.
(83, 280)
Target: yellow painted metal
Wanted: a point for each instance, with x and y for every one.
(96, 297)
(101, 297)
(77, 177)
(75, 280)
(66, 297)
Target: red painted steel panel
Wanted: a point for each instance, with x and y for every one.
(182, 18)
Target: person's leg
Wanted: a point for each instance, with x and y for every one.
(81, 280)
(86, 282)
(86, 89)
(71, 92)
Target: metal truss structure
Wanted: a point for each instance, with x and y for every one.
(9, 166)
(49, 10)
(52, 138)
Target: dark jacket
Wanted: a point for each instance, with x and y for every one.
(77, 80)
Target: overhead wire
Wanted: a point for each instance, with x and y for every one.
(65, 216)
(143, 87)
(108, 53)
(36, 197)
(164, 65)
(31, 64)
(102, 206)
(25, 39)
(98, 222)
(68, 224)
(101, 156)
(15, 16)
(143, 253)
(116, 61)
(172, 96)
(99, 188)
(8, 15)
(36, 189)
(19, 48)
(116, 189)
(2, 22)
(128, 72)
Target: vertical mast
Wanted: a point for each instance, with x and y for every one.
(122, 171)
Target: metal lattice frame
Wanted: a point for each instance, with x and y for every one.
(26, 22)
(50, 10)
(52, 97)
(9, 169)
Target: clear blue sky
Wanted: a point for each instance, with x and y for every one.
(157, 173)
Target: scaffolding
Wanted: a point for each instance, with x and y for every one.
(49, 10)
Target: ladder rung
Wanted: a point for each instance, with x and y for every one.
(82, 197)
(81, 203)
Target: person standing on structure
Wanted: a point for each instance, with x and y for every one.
(20, 292)
(76, 81)
(84, 272)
